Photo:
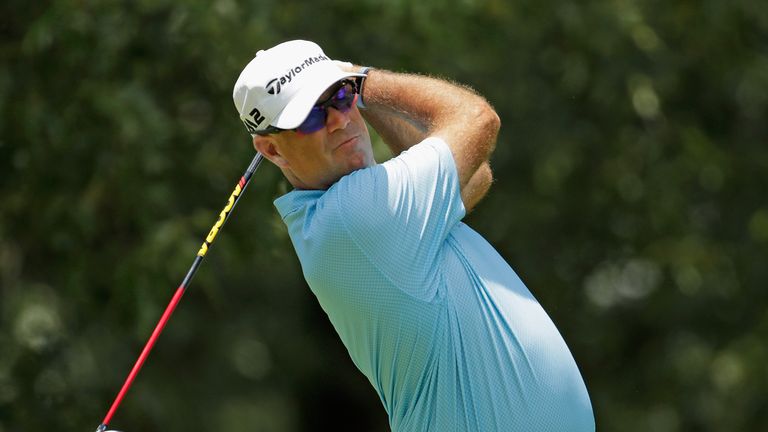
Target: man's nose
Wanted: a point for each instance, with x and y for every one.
(337, 119)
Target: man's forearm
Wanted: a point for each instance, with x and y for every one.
(477, 187)
(398, 132)
(398, 129)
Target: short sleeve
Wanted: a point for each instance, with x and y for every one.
(400, 213)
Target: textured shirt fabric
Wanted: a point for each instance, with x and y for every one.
(439, 323)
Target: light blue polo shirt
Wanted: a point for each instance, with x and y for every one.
(445, 331)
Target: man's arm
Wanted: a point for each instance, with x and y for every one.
(405, 109)
(398, 132)
(477, 187)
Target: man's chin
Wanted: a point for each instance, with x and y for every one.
(362, 160)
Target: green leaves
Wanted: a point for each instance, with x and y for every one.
(631, 174)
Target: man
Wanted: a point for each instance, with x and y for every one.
(437, 321)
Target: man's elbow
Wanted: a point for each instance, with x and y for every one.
(491, 118)
(489, 123)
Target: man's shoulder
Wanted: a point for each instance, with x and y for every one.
(296, 200)
(365, 201)
(363, 180)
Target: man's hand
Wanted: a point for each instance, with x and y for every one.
(346, 66)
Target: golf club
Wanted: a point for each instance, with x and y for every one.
(223, 216)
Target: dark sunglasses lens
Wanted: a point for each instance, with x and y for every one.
(314, 121)
(342, 100)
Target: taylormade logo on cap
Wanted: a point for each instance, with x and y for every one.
(280, 85)
(274, 85)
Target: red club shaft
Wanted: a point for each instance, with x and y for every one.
(223, 217)
(145, 353)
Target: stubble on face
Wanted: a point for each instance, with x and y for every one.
(320, 159)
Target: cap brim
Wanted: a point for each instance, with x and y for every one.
(298, 108)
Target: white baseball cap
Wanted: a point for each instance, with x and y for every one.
(280, 85)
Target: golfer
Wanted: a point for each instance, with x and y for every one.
(442, 327)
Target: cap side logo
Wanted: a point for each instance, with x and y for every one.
(274, 87)
(253, 125)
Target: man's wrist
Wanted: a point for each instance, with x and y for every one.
(360, 101)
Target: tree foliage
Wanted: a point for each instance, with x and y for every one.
(630, 196)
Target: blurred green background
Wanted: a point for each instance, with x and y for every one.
(631, 196)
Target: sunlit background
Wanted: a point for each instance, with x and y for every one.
(631, 197)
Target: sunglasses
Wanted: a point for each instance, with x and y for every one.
(341, 99)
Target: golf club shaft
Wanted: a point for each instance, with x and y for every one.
(223, 216)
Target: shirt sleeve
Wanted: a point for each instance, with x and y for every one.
(399, 213)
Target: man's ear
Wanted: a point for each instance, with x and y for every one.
(268, 147)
